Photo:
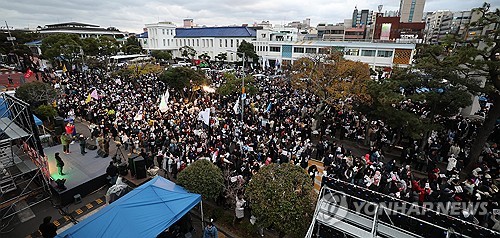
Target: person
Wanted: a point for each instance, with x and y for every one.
(83, 143)
(210, 231)
(239, 210)
(65, 140)
(112, 172)
(59, 163)
(47, 228)
(100, 141)
(10, 79)
(105, 144)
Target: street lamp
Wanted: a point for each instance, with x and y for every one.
(242, 92)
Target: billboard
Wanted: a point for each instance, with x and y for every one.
(386, 31)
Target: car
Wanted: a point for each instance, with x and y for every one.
(184, 63)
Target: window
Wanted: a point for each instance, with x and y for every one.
(324, 50)
(163, 31)
(198, 42)
(211, 43)
(220, 43)
(226, 42)
(311, 50)
(384, 53)
(367, 53)
(274, 49)
(163, 42)
(354, 52)
(231, 42)
(237, 43)
(298, 50)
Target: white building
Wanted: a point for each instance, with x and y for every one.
(81, 29)
(209, 40)
(277, 44)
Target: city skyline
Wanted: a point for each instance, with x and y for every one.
(128, 16)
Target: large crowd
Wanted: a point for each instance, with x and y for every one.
(281, 125)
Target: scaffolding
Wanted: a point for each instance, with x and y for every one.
(337, 214)
(24, 172)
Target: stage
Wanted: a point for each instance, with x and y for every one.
(83, 173)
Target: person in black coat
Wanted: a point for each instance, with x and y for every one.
(59, 164)
(47, 228)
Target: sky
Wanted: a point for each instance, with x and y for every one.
(132, 15)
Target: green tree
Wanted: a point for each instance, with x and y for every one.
(282, 197)
(161, 55)
(233, 85)
(202, 177)
(249, 50)
(66, 45)
(46, 112)
(36, 93)
(90, 46)
(108, 46)
(187, 52)
(132, 46)
(183, 77)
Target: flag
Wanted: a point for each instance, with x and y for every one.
(204, 116)
(236, 106)
(263, 64)
(28, 73)
(164, 101)
(89, 98)
(64, 68)
(138, 116)
(269, 107)
(94, 94)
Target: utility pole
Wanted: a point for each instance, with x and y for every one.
(11, 39)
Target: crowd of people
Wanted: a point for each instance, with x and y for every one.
(280, 125)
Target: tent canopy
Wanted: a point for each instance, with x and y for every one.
(144, 212)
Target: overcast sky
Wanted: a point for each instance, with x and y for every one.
(131, 15)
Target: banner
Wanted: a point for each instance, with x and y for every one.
(204, 116)
(386, 31)
(164, 101)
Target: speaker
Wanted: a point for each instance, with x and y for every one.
(58, 125)
(123, 169)
(102, 153)
(130, 160)
(140, 168)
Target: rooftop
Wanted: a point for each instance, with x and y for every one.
(227, 31)
(71, 24)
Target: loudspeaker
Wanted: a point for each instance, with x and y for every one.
(58, 125)
(123, 169)
(130, 160)
(102, 153)
(140, 168)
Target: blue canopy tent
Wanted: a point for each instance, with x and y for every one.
(144, 212)
(4, 112)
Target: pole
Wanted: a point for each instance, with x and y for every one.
(11, 41)
(202, 220)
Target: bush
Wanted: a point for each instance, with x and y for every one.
(45, 111)
(202, 177)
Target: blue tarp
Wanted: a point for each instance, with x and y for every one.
(144, 212)
(38, 122)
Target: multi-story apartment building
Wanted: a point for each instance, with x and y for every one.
(411, 10)
(433, 24)
(455, 24)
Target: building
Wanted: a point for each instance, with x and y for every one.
(411, 10)
(391, 29)
(209, 40)
(81, 29)
(455, 23)
(361, 18)
(188, 23)
(331, 32)
(433, 25)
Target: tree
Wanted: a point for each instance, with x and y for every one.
(282, 197)
(249, 50)
(471, 62)
(46, 112)
(187, 52)
(66, 45)
(90, 46)
(161, 55)
(184, 80)
(332, 78)
(138, 70)
(132, 46)
(233, 85)
(202, 177)
(36, 93)
(108, 46)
